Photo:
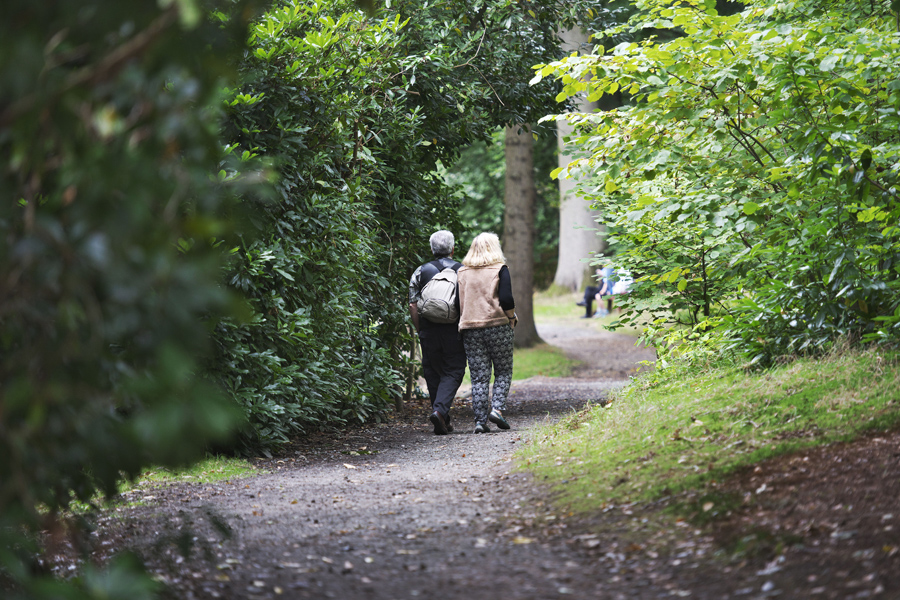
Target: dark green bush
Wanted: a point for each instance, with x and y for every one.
(353, 113)
(109, 133)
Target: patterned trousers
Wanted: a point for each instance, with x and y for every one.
(491, 345)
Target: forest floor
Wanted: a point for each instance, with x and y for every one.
(392, 511)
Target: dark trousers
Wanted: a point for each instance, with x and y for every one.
(443, 364)
(589, 293)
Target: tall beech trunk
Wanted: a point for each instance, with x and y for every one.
(578, 230)
(518, 231)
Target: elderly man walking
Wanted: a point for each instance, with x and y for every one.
(434, 310)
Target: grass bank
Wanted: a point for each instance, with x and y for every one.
(673, 431)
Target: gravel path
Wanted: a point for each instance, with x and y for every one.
(393, 512)
(390, 511)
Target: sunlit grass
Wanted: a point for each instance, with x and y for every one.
(209, 470)
(557, 307)
(541, 360)
(668, 434)
(561, 308)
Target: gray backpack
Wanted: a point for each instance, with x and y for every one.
(438, 300)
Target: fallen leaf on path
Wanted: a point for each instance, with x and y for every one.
(349, 466)
(404, 551)
(522, 540)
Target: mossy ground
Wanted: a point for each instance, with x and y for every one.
(677, 431)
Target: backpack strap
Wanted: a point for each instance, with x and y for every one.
(441, 266)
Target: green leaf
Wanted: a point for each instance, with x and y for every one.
(285, 274)
(829, 62)
(865, 160)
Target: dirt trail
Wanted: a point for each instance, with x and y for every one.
(393, 511)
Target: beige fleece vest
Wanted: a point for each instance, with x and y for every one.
(479, 297)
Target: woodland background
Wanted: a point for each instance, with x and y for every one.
(213, 208)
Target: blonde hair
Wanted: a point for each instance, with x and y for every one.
(485, 250)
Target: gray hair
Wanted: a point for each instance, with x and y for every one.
(441, 242)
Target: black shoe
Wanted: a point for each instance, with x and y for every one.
(497, 419)
(587, 316)
(482, 428)
(440, 428)
(581, 303)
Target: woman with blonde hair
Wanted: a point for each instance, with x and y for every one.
(487, 320)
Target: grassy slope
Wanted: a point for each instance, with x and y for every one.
(672, 432)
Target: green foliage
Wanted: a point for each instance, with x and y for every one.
(353, 114)
(326, 257)
(685, 428)
(752, 177)
(109, 140)
(479, 177)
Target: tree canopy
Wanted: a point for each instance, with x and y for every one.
(109, 268)
(212, 216)
(751, 176)
(353, 114)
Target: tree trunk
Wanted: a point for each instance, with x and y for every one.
(518, 231)
(578, 230)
